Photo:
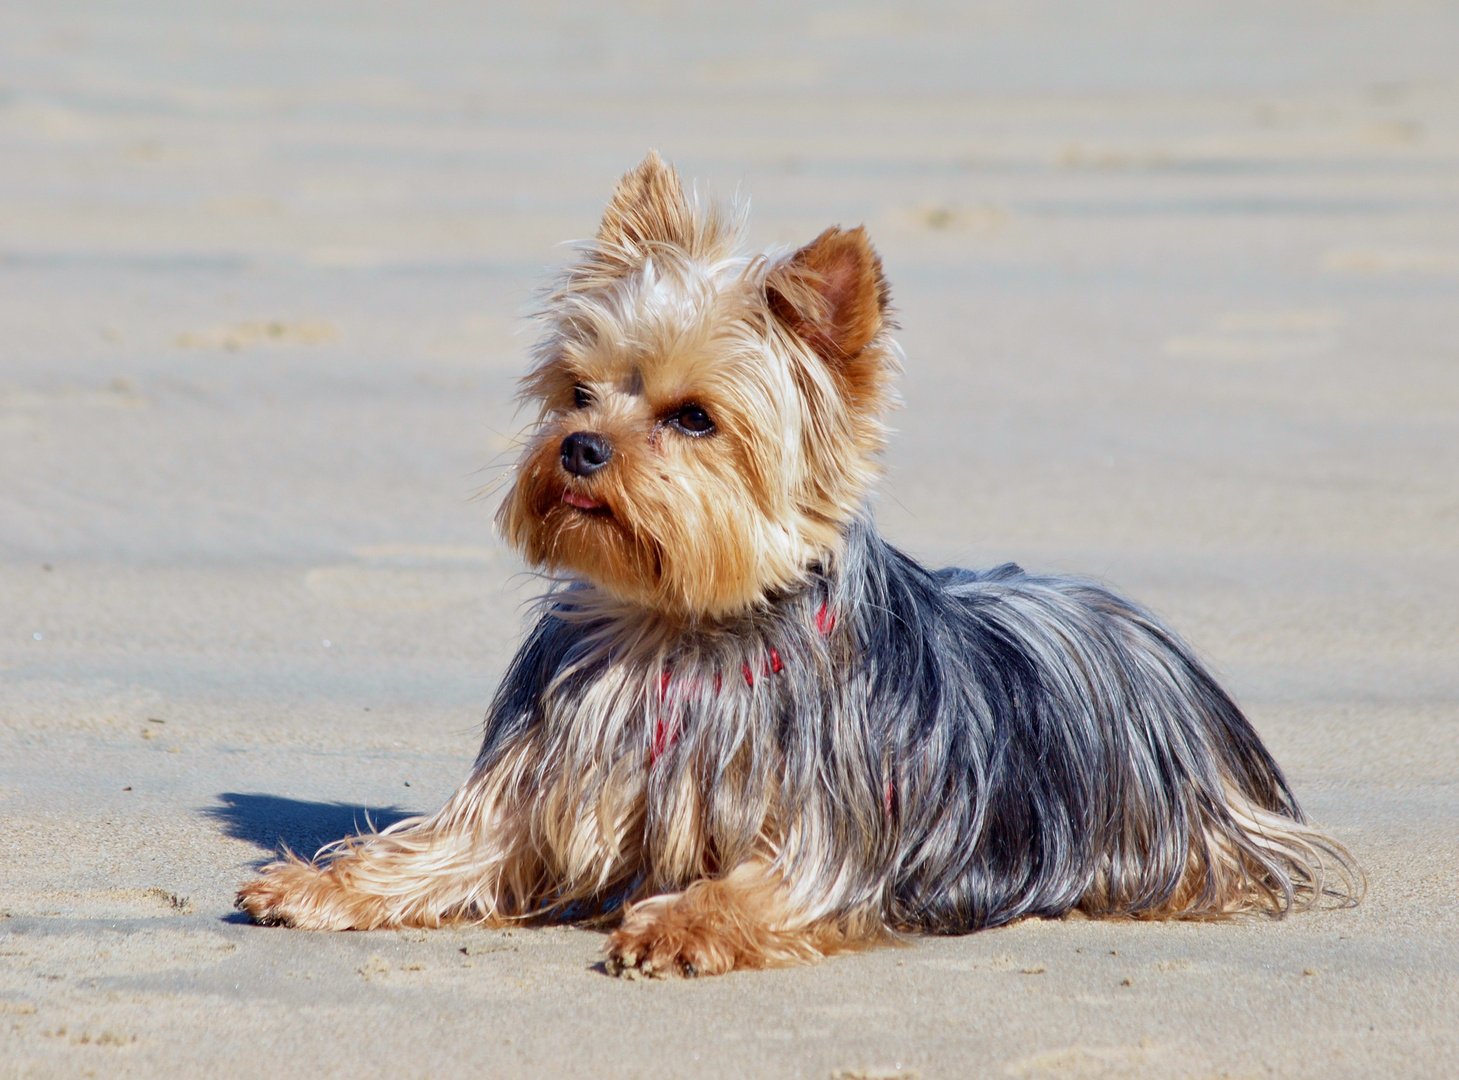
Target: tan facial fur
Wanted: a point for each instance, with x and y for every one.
(787, 355)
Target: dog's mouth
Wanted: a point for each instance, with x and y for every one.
(584, 503)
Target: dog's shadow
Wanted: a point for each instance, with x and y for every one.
(273, 823)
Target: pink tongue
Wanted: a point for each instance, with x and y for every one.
(582, 502)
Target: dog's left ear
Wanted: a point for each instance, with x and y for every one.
(648, 207)
(831, 293)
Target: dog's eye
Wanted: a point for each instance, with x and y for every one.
(693, 420)
(581, 398)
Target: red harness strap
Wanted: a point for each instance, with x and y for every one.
(665, 734)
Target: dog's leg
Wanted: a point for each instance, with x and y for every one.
(420, 876)
(472, 860)
(742, 920)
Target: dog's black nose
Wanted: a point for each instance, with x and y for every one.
(585, 452)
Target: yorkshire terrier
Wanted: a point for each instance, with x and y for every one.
(745, 730)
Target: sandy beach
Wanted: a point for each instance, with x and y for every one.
(1178, 286)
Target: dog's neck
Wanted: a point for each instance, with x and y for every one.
(818, 590)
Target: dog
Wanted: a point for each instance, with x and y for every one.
(745, 731)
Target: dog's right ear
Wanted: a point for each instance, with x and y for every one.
(832, 294)
(648, 207)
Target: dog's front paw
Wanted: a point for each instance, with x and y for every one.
(294, 893)
(661, 940)
(275, 898)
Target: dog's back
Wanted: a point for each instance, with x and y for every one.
(1058, 747)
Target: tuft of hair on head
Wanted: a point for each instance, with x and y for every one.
(782, 365)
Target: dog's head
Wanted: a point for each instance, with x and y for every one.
(708, 420)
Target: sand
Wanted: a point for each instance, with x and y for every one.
(1179, 286)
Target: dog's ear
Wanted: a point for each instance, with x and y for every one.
(648, 207)
(831, 293)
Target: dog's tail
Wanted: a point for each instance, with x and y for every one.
(1243, 857)
(1248, 844)
(1275, 862)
